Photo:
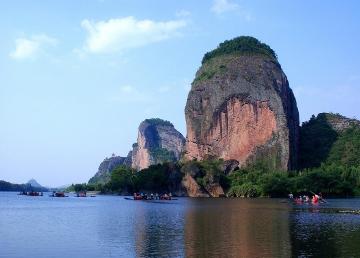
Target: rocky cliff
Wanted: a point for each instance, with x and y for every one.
(158, 141)
(338, 122)
(104, 172)
(240, 107)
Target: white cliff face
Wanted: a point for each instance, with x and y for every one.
(158, 141)
(171, 140)
(140, 154)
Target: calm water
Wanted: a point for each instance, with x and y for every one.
(109, 226)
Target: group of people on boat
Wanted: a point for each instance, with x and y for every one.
(315, 198)
(31, 193)
(58, 194)
(156, 196)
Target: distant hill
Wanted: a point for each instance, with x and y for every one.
(7, 186)
(34, 183)
(329, 138)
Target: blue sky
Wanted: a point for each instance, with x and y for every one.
(77, 77)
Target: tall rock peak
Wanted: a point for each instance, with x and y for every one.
(158, 141)
(240, 107)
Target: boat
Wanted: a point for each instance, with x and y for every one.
(306, 198)
(31, 193)
(92, 193)
(150, 199)
(315, 200)
(58, 194)
(81, 194)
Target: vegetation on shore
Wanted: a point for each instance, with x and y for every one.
(256, 181)
(159, 178)
(329, 179)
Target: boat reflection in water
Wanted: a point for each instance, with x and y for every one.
(159, 231)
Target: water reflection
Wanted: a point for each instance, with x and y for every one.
(322, 234)
(109, 226)
(237, 228)
(159, 231)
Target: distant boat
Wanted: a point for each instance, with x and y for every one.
(58, 194)
(81, 194)
(92, 193)
(145, 197)
(31, 193)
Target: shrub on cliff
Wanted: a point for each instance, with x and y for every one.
(243, 45)
(346, 150)
(158, 121)
(206, 172)
(162, 155)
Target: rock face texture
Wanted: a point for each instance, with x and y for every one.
(104, 172)
(202, 181)
(158, 141)
(338, 122)
(192, 189)
(240, 107)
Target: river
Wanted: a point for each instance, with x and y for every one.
(110, 226)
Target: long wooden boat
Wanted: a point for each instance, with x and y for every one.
(58, 194)
(32, 193)
(150, 200)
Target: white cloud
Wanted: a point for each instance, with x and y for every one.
(123, 33)
(222, 6)
(29, 48)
